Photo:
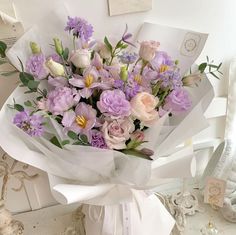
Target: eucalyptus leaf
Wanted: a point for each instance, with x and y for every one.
(65, 142)
(25, 78)
(55, 141)
(33, 85)
(28, 103)
(202, 67)
(72, 135)
(214, 75)
(3, 48)
(19, 107)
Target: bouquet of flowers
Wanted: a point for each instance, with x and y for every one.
(95, 116)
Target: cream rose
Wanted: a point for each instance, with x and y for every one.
(143, 107)
(148, 50)
(103, 51)
(117, 132)
(55, 68)
(81, 58)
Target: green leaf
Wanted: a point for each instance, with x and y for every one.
(55, 141)
(33, 85)
(39, 98)
(213, 66)
(29, 92)
(3, 48)
(219, 66)
(134, 144)
(108, 44)
(136, 153)
(25, 78)
(45, 92)
(78, 143)
(84, 138)
(202, 67)
(214, 75)
(124, 46)
(72, 135)
(19, 107)
(21, 64)
(65, 142)
(65, 54)
(28, 103)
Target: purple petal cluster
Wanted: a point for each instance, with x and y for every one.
(60, 100)
(128, 58)
(114, 103)
(97, 139)
(31, 124)
(79, 28)
(35, 65)
(177, 101)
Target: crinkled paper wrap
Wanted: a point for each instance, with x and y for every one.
(96, 176)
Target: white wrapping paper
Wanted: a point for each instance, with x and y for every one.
(115, 177)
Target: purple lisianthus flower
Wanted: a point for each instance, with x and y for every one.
(161, 58)
(57, 81)
(88, 83)
(80, 28)
(55, 57)
(82, 120)
(132, 87)
(119, 84)
(171, 79)
(35, 65)
(31, 124)
(177, 101)
(98, 65)
(97, 139)
(60, 100)
(114, 103)
(128, 58)
(126, 36)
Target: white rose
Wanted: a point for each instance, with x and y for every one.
(117, 132)
(104, 51)
(148, 50)
(81, 58)
(55, 68)
(143, 107)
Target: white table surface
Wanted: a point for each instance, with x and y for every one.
(53, 221)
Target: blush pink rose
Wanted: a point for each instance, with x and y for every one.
(117, 132)
(148, 50)
(143, 107)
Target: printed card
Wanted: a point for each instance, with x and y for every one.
(214, 191)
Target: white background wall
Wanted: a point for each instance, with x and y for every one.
(216, 17)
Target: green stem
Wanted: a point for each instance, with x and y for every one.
(74, 43)
(64, 64)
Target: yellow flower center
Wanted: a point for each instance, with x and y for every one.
(89, 80)
(163, 68)
(138, 78)
(81, 121)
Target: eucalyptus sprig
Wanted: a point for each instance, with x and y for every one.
(4, 60)
(209, 67)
